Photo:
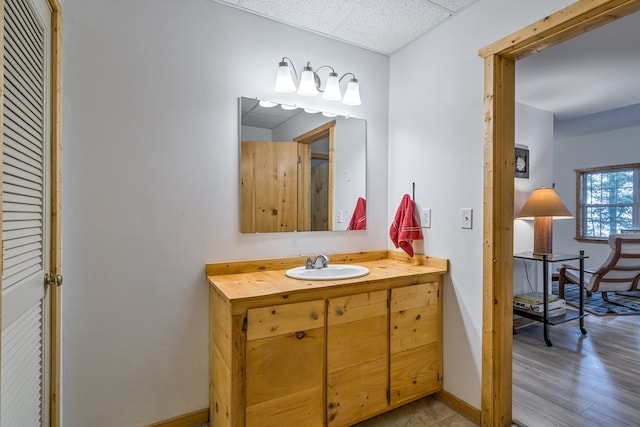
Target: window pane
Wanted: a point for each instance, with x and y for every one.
(603, 221)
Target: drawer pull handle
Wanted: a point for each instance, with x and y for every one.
(300, 335)
(315, 316)
(339, 312)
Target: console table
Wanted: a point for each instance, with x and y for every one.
(546, 260)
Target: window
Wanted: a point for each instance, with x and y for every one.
(608, 201)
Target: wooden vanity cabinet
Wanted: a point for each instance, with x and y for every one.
(327, 354)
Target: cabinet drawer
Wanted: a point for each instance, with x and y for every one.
(356, 307)
(284, 319)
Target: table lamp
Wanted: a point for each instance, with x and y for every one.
(543, 206)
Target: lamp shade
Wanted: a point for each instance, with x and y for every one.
(352, 94)
(544, 202)
(308, 82)
(284, 81)
(332, 89)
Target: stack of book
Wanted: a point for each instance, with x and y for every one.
(533, 303)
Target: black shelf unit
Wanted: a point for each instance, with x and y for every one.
(571, 314)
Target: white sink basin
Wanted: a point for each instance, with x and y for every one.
(330, 272)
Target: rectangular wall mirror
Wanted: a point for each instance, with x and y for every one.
(299, 170)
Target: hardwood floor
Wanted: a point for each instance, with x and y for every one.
(590, 381)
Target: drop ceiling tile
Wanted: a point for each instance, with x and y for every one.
(319, 16)
(387, 25)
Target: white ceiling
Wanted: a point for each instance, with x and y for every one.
(595, 72)
(382, 26)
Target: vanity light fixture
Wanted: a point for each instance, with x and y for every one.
(310, 83)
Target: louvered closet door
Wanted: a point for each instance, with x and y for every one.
(25, 213)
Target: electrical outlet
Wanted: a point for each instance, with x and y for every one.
(339, 216)
(466, 218)
(426, 218)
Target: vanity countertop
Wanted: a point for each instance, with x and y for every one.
(240, 283)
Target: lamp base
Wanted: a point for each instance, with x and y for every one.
(542, 235)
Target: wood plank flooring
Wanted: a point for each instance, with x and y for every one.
(590, 381)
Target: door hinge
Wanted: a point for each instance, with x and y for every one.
(244, 325)
(51, 279)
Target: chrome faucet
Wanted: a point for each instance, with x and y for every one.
(321, 261)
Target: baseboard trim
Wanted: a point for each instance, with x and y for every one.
(187, 420)
(459, 405)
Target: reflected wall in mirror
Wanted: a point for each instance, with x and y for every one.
(300, 171)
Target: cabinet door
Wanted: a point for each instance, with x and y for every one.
(285, 365)
(415, 342)
(357, 357)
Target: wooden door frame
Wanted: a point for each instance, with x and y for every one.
(56, 199)
(56, 210)
(499, 116)
(326, 130)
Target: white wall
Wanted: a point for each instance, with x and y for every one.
(151, 193)
(436, 141)
(579, 150)
(534, 129)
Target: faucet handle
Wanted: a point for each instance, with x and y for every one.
(321, 261)
(309, 264)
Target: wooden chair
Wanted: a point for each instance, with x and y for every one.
(620, 272)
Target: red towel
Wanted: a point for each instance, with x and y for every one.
(405, 227)
(359, 218)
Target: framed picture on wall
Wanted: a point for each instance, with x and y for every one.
(522, 162)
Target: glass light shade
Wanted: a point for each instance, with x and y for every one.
(324, 113)
(308, 83)
(352, 94)
(310, 111)
(284, 81)
(288, 107)
(544, 202)
(332, 89)
(267, 104)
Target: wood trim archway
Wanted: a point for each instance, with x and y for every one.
(499, 116)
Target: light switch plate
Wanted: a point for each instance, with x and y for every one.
(426, 218)
(466, 218)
